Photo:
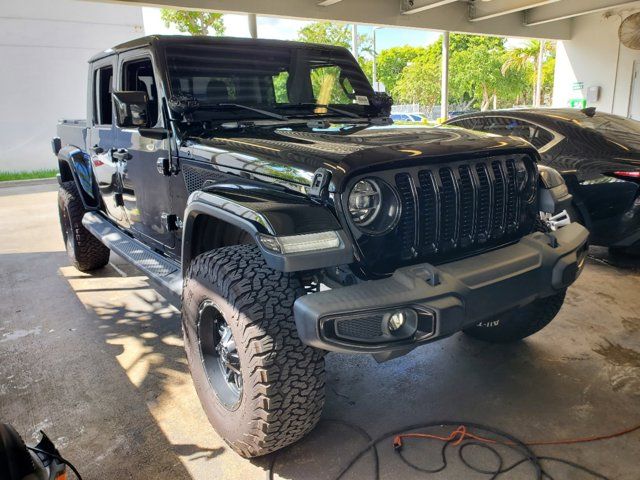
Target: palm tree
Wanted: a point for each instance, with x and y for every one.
(531, 54)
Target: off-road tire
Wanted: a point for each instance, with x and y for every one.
(85, 251)
(282, 379)
(519, 323)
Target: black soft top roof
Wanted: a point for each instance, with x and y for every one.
(164, 40)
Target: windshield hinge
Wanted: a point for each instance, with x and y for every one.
(381, 121)
(320, 184)
(320, 124)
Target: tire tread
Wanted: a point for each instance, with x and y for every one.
(286, 378)
(89, 252)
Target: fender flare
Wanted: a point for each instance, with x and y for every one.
(72, 160)
(257, 212)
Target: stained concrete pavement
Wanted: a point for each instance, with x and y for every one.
(96, 360)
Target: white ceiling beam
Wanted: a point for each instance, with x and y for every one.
(409, 7)
(479, 11)
(451, 17)
(327, 3)
(569, 9)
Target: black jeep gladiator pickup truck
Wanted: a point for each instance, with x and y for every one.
(262, 188)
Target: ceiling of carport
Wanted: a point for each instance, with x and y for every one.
(518, 18)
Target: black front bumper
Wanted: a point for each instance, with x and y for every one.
(444, 299)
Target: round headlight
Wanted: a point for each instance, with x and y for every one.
(373, 205)
(364, 202)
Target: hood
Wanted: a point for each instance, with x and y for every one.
(295, 155)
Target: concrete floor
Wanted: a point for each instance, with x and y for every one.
(97, 362)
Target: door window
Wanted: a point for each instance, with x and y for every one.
(137, 76)
(102, 105)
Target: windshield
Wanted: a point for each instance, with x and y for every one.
(292, 80)
(621, 130)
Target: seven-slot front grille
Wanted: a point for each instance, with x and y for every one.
(448, 207)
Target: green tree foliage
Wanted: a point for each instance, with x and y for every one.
(482, 71)
(419, 82)
(478, 74)
(524, 61)
(193, 22)
(548, 70)
(326, 79)
(330, 33)
(392, 61)
(475, 73)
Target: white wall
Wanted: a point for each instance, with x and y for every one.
(44, 48)
(595, 57)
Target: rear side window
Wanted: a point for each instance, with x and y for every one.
(509, 127)
(474, 123)
(535, 135)
(137, 76)
(102, 105)
(541, 138)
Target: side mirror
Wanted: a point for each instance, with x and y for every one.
(131, 109)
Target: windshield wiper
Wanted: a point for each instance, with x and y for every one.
(346, 113)
(253, 109)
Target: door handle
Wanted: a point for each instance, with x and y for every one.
(121, 155)
(97, 149)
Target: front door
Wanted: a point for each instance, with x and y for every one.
(102, 139)
(146, 191)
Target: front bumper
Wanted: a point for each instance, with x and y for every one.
(444, 299)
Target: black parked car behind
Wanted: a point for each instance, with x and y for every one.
(597, 153)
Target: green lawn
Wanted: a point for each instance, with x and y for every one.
(33, 174)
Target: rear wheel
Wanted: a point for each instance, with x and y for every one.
(519, 323)
(260, 386)
(85, 251)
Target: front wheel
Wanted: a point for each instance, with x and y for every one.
(520, 322)
(260, 386)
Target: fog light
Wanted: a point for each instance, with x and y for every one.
(401, 323)
(396, 321)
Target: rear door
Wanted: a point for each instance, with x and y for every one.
(101, 139)
(146, 191)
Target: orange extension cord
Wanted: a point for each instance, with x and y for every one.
(461, 433)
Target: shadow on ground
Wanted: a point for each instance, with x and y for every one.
(561, 382)
(58, 374)
(113, 384)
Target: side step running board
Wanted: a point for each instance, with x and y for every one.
(164, 273)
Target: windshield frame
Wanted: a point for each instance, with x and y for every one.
(362, 89)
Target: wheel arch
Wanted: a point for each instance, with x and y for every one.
(74, 165)
(213, 219)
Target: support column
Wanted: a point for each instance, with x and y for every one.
(375, 62)
(253, 25)
(538, 93)
(444, 88)
(354, 40)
